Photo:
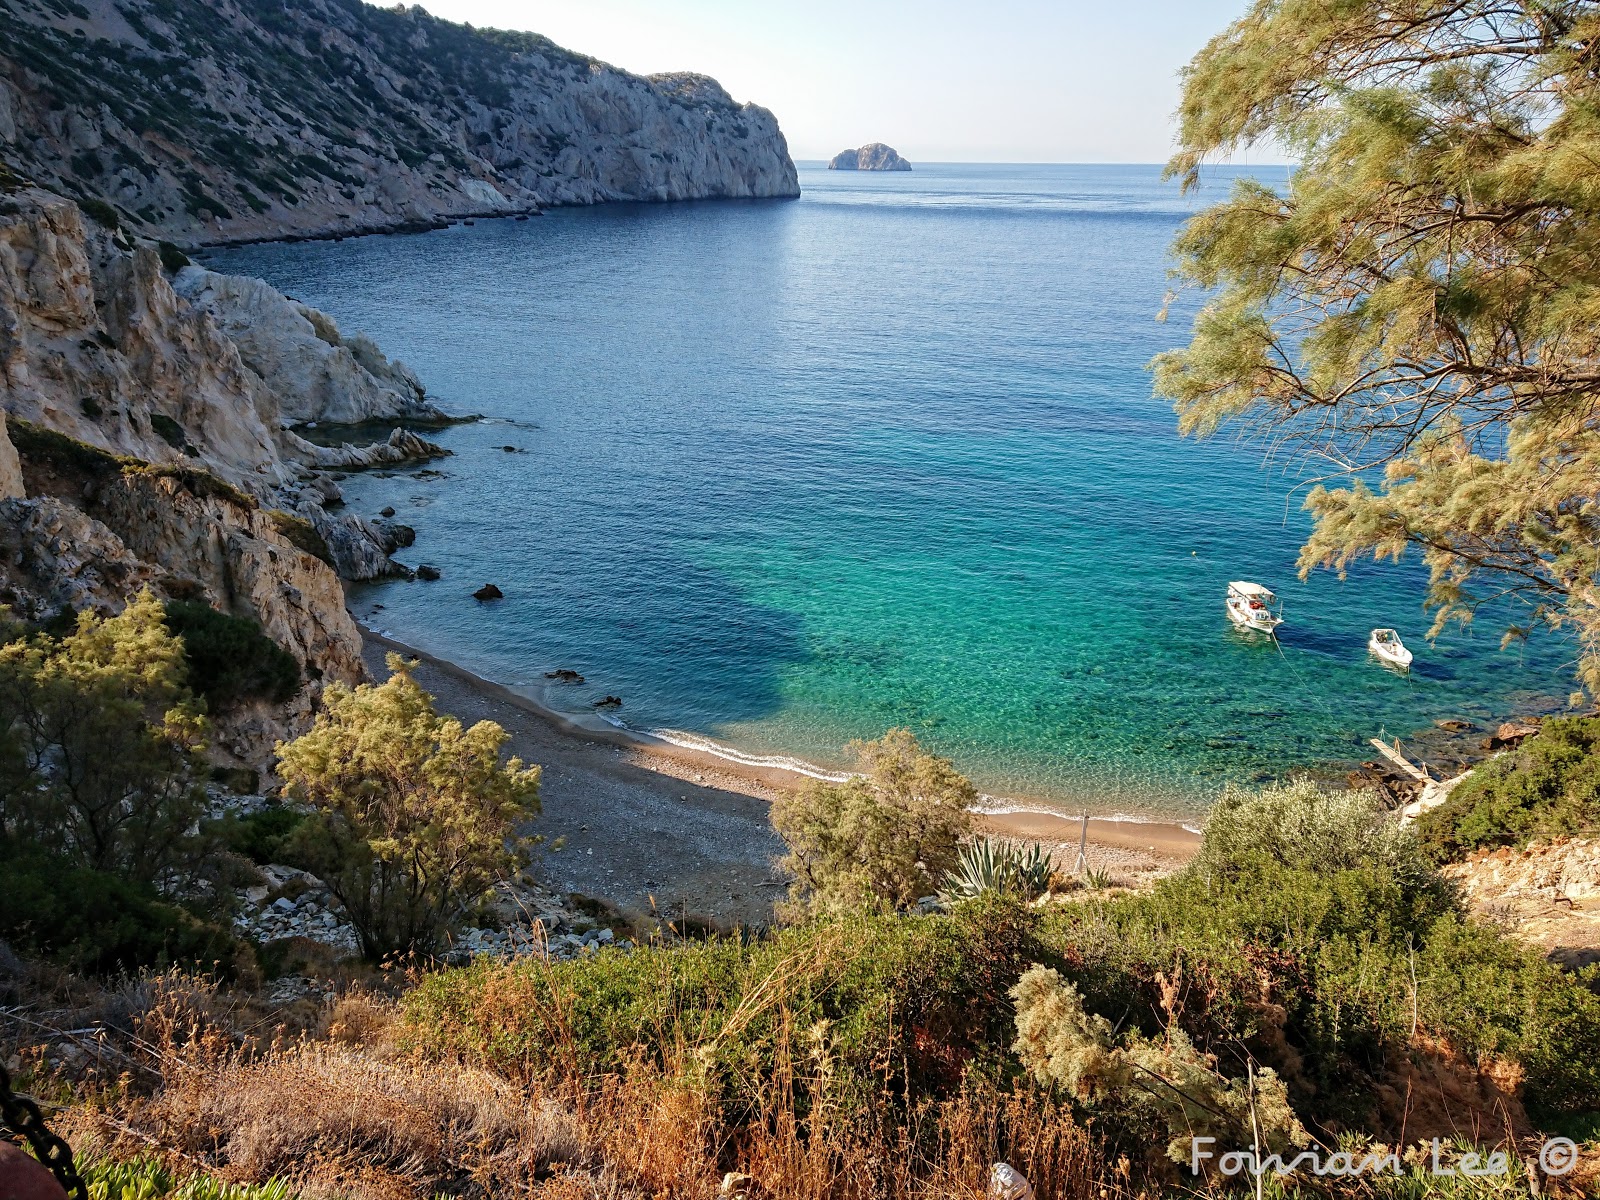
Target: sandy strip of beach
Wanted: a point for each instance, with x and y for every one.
(651, 826)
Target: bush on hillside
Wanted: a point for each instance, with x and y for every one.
(264, 836)
(1547, 787)
(881, 839)
(897, 1003)
(100, 745)
(100, 924)
(1329, 960)
(1162, 1081)
(229, 658)
(414, 818)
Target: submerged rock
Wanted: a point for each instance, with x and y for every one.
(488, 592)
(564, 675)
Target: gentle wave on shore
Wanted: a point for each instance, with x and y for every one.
(783, 475)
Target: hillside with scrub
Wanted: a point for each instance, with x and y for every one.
(929, 1006)
(273, 925)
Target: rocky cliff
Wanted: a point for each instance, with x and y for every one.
(148, 438)
(210, 120)
(874, 156)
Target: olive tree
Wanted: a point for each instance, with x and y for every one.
(1419, 311)
(882, 838)
(413, 816)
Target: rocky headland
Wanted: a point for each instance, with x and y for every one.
(147, 438)
(874, 156)
(202, 121)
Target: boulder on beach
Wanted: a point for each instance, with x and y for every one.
(874, 156)
(488, 592)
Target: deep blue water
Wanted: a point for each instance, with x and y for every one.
(790, 473)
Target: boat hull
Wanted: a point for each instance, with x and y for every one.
(1255, 622)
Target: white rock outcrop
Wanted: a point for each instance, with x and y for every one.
(309, 369)
(141, 446)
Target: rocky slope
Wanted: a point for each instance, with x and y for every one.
(1547, 894)
(142, 444)
(213, 120)
(874, 156)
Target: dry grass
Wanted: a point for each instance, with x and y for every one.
(343, 1111)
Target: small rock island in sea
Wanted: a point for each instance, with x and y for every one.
(874, 156)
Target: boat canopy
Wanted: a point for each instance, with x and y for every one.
(1249, 589)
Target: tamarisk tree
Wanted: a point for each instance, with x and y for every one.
(414, 818)
(1420, 308)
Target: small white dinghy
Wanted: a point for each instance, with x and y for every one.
(1254, 607)
(1386, 644)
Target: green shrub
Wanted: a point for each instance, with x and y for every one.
(229, 658)
(881, 839)
(301, 534)
(1547, 787)
(264, 835)
(101, 212)
(1326, 958)
(101, 924)
(37, 444)
(173, 259)
(897, 1003)
(169, 430)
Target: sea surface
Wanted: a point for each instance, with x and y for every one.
(788, 473)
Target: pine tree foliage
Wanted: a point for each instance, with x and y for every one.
(1420, 310)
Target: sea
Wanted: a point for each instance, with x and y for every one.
(784, 474)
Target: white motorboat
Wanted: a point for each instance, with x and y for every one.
(1254, 607)
(1386, 644)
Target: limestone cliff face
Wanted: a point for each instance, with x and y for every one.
(311, 370)
(208, 121)
(142, 445)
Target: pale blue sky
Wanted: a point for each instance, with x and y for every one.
(940, 80)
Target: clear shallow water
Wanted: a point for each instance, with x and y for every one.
(793, 472)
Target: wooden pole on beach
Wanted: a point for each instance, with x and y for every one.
(1082, 865)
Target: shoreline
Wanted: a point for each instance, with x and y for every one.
(719, 874)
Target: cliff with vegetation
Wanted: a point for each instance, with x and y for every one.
(147, 439)
(202, 121)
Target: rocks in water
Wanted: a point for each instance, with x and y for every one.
(488, 592)
(874, 156)
(1455, 725)
(402, 446)
(609, 702)
(1511, 733)
(393, 535)
(428, 572)
(386, 511)
(564, 675)
(510, 449)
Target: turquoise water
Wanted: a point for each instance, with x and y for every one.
(791, 473)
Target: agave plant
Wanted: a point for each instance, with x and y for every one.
(990, 866)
